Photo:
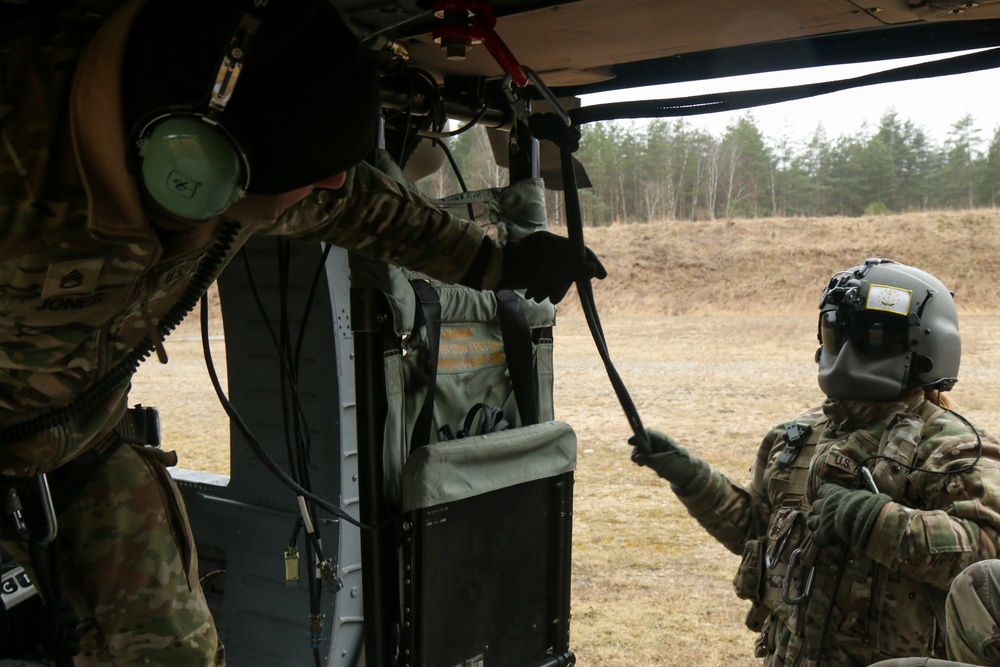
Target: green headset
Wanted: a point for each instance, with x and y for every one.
(188, 162)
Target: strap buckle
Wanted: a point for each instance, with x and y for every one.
(796, 435)
(140, 426)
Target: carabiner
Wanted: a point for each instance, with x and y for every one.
(789, 575)
(769, 560)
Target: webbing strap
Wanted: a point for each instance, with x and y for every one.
(745, 99)
(553, 127)
(574, 223)
(517, 346)
(428, 315)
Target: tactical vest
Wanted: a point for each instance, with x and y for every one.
(791, 581)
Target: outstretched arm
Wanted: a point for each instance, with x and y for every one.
(375, 216)
(727, 511)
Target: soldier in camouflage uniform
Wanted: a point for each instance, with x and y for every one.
(860, 512)
(92, 266)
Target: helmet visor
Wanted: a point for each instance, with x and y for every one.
(873, 333)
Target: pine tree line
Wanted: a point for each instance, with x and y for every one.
(671, 169)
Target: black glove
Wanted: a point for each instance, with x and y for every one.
(844, 514)
(546, 266)
(686, 473)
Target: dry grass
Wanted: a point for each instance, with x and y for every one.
(650, 588)
(679, 267)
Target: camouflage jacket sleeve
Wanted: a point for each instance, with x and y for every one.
(376, 217)
(946, 521)
(731, 513)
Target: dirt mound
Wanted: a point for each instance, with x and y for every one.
(771, 264)
(782, 264)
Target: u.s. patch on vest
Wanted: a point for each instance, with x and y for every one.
(843, 462)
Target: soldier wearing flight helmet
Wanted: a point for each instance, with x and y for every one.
(860, 512)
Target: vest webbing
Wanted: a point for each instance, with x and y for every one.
(797, 486)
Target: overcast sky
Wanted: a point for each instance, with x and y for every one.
(933, 104)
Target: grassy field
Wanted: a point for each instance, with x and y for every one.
(713, 328)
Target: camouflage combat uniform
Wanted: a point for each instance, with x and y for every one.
(84, 277)
(936, 526)
(973, 613)
(972, 633)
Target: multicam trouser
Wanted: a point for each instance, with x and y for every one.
(130, 569)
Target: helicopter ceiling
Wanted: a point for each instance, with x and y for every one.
(595, 45)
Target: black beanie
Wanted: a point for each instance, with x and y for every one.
(305, 106)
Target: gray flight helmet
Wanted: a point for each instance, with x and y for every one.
(885, 327)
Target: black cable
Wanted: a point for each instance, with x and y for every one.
(286, 375)
(255, 445)
(293, 417)
(462, 130)
(420, 82)
(297, 434)
(438, 115)
(294, 541)
(402, 109)
(313, 288)
(297, 430)
(458, 173)
(282, 360)
(302, 433)
(406, 137)
(314, 596)
(961, 471)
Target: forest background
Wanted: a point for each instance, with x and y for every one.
(673, 169)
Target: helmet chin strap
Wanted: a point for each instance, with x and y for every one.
(848, 375)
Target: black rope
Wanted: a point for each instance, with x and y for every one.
(551, 127)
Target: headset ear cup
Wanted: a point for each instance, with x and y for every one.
(191, 166)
